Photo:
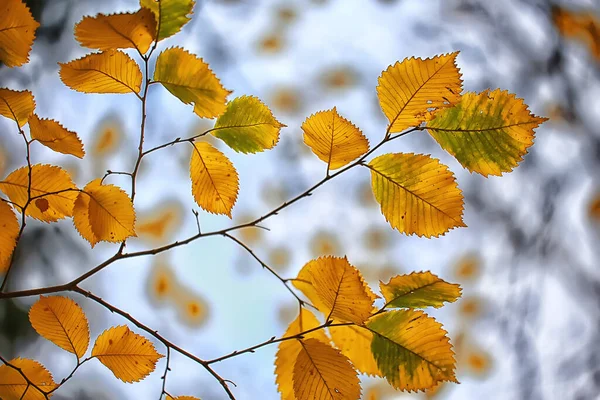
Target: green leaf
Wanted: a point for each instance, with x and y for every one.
(418, 290)
(171, 15)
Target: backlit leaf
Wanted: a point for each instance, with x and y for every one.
(16, 105)
(418, 290)
(17, 32)
(118, 31)
(45, 179)
(172, 15)
(323, 373)
(409, 90)
(333, 138)
(248, 126)
(215, 182)
(339, 289)
(14, 387)
(411, 349)
(104, 213)
(9, 231)
(355, 343)
(108, 72)
(417, 194)
(61, 321)
(488, 133)
(53, 135)
(288, 351)
(131, 357)
(190, 79)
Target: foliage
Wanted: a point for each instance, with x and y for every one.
(487, 132)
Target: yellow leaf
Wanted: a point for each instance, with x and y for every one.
(411, 349)
(248, 126)
(53, 135)
(418, 290)
(190, 80)
(410, 89)
(131, 357)
(17, 32)
(108, 72)
(104, 213)
(118, 31)
(337, 289)
(215, 182)
(417, 194)
(16, 105)
(171, 15)
(323, 373)
(355, 343)
(45, 179)
(488, 133)
(63, 322)
(333, 138)
(288, 351)
(9, 231)
(14, 387)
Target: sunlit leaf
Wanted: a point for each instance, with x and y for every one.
(411, 349)
(475, 361)
(104, 213)
(215, 181)
(409, 90)
(159, 224)
(171, 15)
(190, 79)
(9, 231)
(288, 351)
(355, 343)
(161, 282)
(108, 72)
(118, 31)
(192, 308)
(248, 126)
(108, 135)
(53, 135)
(488, 133)
(61, 321)
(17, 32)
(45, 179)
(467, 268)
(333, 138)
(418, 290)
(14, 387)
(323, 373)
(16, 105)
(417, 194)
(129, 356)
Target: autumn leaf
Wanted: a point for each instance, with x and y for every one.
(14, 387)
(129, 356)
(108, 72)
(323, 373)
(417, 194)
(248, 126)
(171, 15)
(9, 231)
(355, 343)
(104, 213)
(190, 80)
(337, 289)
(45, 179)
(418, 290)
(333, 138)
(61, 321)
(410, 90)
(16, 105)
(17, 32)
(411, 349)
(182, 398)
(582, 25)
(53, 135)
(215, 182)
(118, 31)
(488, 133)
(289, 349)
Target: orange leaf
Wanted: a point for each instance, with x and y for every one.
(17, 32)
(54, 136)
(16, 105)
(14, 387)
(9, 231)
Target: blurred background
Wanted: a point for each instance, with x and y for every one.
(528, 324)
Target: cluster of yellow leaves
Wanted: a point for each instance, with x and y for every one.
(407, 347)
